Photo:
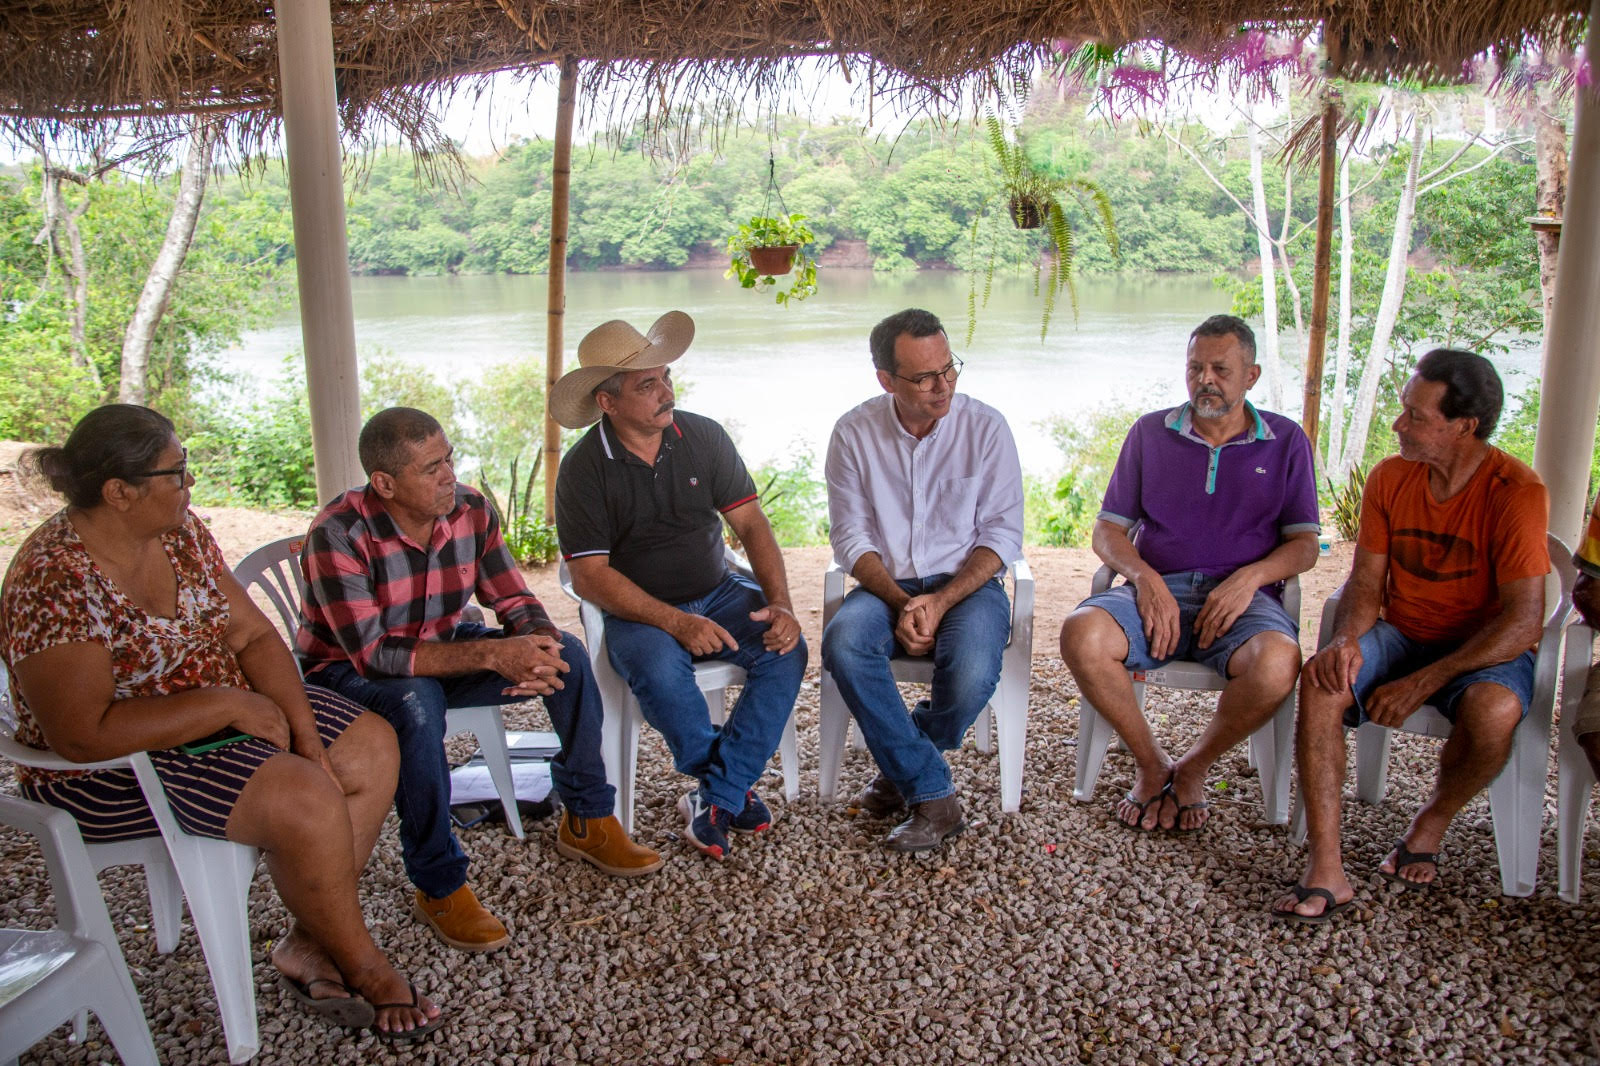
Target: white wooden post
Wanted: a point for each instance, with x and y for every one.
(1569, 394)
(321, 251)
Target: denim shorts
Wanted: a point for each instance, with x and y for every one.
(1387, 654)
(1190, 588)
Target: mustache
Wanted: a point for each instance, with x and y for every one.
(664, 408)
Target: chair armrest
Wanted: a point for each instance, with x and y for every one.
(1330, 607)
(1021, 591)
(48, 760)
(737, 562)
(1102, 580)
(833, 582)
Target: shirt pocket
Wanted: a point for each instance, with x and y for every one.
(953, 510)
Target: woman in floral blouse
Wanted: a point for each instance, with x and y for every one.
(124, 631)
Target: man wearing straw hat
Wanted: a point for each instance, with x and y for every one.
(640, 503)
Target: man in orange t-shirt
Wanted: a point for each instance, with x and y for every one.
(1452, 554)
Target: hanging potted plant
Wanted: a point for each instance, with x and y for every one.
(770, 246)
(1033, 200)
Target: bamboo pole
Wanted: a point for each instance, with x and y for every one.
(321, 251)
(560, 182)
(1569, 393)
(1317, 344)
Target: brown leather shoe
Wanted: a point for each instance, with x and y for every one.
(930, 824)
(461, 921)
(880, 799)
(602, 843)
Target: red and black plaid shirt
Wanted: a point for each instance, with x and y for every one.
(373, 594)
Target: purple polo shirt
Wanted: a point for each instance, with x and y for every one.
(1212, 509)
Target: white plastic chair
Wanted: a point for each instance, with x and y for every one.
(623, 719)
(214, 876)
(1271, 746)
(275, 570)
(1007, 708)
(1516, 795)
(47, 978)
(1574, 775)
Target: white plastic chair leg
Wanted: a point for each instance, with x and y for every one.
(216, 877)
(1372, 762)
(161, 882)
(1574, 781)
(789, 757)
(983, 729)
(1094, 736)
(1013, 737)
(487, 724)
(1271, 752)
(833, 724)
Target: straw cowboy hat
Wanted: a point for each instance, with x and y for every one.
(612, 347)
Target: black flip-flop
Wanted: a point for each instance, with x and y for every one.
(1177, 822)
(1403, 857)
(349, 1011)
(404, 1036)
(1303, 893)
(1137, 824)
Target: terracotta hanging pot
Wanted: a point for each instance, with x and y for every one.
(1026, 212)
(775, 259)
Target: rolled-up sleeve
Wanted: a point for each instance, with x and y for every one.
(999, 513)
(500, 586)
(851, 529)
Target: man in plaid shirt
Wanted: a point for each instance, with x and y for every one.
(389, 568)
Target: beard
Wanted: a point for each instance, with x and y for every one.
(1212, 405)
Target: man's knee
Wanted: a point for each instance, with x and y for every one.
(1270, 659)
(1090, 636)
(414, 706)
(1489, 713)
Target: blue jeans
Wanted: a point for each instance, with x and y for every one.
(967, 650)
(660, 672)
(1388, 655)
(415, 706)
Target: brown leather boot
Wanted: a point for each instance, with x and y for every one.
(930, 824)
(602, 843)
(880, 799)
(461, 921)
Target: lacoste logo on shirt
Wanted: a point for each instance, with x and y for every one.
(694, 481)
(1261, 470)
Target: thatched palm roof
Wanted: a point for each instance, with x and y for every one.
(154, 59)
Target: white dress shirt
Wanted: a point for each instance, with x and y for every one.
(923, 505)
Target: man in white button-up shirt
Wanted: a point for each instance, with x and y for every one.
(925, 501)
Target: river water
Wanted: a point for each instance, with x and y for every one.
(778, 377)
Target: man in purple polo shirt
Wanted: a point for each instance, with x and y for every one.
(1212, 505)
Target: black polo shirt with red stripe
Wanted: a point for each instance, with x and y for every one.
(661, 525)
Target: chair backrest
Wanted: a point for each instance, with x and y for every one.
(80, 910)
(274, 569)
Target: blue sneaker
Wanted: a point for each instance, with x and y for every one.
(706, 825)
(754, 818)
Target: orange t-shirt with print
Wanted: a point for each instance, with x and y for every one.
(1448, 560)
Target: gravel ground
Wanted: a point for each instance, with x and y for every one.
(1041, 937)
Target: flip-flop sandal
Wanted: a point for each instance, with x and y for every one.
(405, 1036)
(349, 1011)
(1137, 824)
(1403, 857)
(1177, 825)
(1303, 893)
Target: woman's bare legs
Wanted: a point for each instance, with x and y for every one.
(317, 835)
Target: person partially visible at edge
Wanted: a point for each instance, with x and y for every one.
(124, 631)
(925, 511)
(1586, 598)
(389, 568)
(1211, 507)
(640, 505)
(1443, 606)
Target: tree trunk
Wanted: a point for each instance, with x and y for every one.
(59, 221)
(1550, 200)
(158, 284)
(1394, 291)
(1267, 346)
(1341, 357)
